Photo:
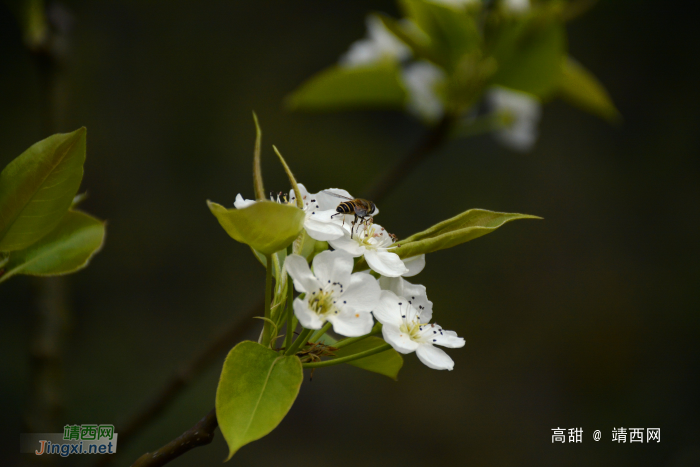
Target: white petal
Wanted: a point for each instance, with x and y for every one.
(349, 245)
(306, 317)
(302, 190)
(304, 280)
(398, 340)
(333, 266)
(241, 203)
(321, 231)
(434, 358)
(415, 294)
(385, 263)
(415, 264)
(387, 310)
(449, 339)
(362, 293)
(351, 323)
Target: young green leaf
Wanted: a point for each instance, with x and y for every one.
(37, 188)
(529, 53)
(451, 232)
(580, 88)
(452, 33)
(338, 88)
(256, 389)
(387, 363)
(66, 249)
(264, 226)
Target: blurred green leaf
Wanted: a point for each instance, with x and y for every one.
(462, 228)
(256, 389)
(66, 249)
(453, 33)
(387, 363)
(339, 88)
(580, 88)
(35, 26)
(529, 52)
(265, 226)
(37, 188)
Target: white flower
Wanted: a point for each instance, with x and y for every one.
(319, 209)
(415, 294)
(379, 45)
(516, 6)
(333, 293)
(422, 80)
(407, 329)
(521, 113)
(372, 242)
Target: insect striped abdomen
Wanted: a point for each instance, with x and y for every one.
(345, 208)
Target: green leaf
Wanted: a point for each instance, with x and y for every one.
(339, 88)
(462, 228)
(452, 33)
(256, 389)
(387, 363)
(265, 226)
(580, 88)
(529, 53)
(66, 249)
(37, 188)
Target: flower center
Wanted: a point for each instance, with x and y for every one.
(322, 303)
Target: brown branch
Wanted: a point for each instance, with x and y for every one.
(432, 140)
(182, 377)
(199, 435)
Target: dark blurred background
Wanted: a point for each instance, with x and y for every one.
(588, 318)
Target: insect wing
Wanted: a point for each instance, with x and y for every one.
(336, 195)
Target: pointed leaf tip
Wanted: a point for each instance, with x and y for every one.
(256, 389)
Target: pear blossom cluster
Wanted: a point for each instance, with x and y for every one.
(518, 113)
(350, 302)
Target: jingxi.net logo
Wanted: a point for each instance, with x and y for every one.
(75, 439)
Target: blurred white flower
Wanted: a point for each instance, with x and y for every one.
(516, 6)
(333, 293)
(456, 3)
(520, 113)
(407, 328)
(423, 80)
(379, 45)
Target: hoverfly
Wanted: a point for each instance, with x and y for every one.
(361, 208)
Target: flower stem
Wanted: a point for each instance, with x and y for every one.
(268, 299)
(317, 335)
(349, 358)
(290, 314)
(301, 340)
(351, 340)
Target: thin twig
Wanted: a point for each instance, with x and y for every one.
(178, 381)
(433, 139)
(199, 435)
